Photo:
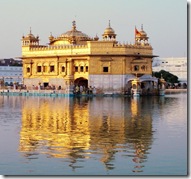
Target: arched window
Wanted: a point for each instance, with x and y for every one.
(86, 68)
(81, 69)
(136, 68)
(38, 69)
(63, 68)
(28, 70)
(76, 68)
(51, 68)
(143, 68)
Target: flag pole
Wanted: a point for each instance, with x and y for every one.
(135, 34)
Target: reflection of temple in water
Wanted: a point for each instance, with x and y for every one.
(139, 133)
(74, 128)
(125, 125)
(49, 126)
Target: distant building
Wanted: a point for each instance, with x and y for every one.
(11, 71)
(74, 58)
(10, 62)
(175, 65)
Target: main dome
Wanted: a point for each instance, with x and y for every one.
(74, 33)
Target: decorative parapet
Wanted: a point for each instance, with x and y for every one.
(136, 46)
(99, 47)
(57, 47)
(41, 51)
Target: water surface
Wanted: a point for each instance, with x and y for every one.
(93, 136)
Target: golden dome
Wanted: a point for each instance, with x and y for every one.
(75, 34)
(51, 37)
(30, 36)
(109, 33)
(142, 32)
(109, 30)
(96, 38)
(141, 36)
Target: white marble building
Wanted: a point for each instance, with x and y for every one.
(175, 65)
(11, 71)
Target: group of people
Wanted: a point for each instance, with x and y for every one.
(79, 89)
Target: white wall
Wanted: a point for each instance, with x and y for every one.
(107, 83)
(11, 73)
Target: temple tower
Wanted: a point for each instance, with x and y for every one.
(109, 33)
(141, 37)
(30, 40)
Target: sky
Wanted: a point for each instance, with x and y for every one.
(164, 21)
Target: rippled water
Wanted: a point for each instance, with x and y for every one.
(93, 136)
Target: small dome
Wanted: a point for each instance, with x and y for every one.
(109, 30)
(51, 37)
(109, 33)
(30, 36)
(141, 36)
(96, 38)
(142, 32)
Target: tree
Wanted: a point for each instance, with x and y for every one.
(168, 77)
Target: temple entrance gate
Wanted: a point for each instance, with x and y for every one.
(81, 82)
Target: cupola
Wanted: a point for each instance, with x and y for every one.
(141, 37)
(109, 33)
(30, 40)
(143, 34)
(51, 37)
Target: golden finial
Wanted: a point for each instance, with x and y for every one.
(74, 24)
(109, 24)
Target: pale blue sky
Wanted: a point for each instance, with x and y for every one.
(165, 22)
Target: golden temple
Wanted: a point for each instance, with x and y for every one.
(75, 59)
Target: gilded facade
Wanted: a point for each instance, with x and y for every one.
(74, 58)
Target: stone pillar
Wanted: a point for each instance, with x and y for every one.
(69, 77)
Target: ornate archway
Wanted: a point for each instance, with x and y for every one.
(81, 82)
